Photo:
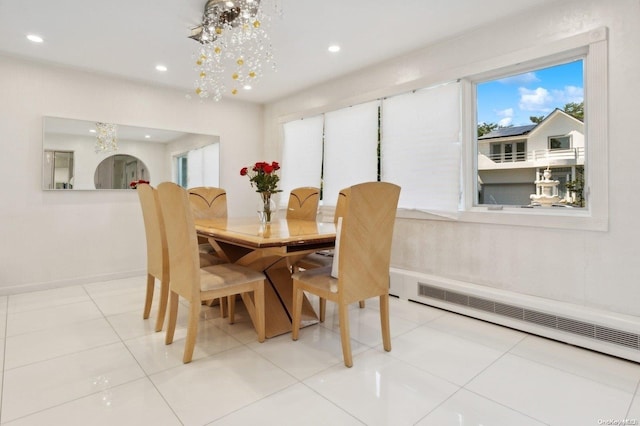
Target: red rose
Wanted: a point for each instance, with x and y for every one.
(275, 165)
(267, 168)
(243, 171)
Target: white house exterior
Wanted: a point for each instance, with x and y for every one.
(511, 159)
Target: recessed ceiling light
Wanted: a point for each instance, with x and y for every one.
(334, 48)
(161, 68)
(247, 87)
(147, 136)
(34, 38)
(92, 130)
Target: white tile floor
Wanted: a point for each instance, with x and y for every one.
(83, 356)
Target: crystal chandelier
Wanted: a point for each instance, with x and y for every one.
(107, 139)
(234, 45)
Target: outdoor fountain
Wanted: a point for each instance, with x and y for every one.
(546, 190)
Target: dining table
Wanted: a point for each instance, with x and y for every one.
(272, 248)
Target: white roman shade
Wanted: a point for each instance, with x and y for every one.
(350, 150)
(204, 166)
(301, 155)
(420, 148)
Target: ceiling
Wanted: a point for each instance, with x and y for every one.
(128, 38)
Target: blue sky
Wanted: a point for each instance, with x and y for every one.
(512, 100)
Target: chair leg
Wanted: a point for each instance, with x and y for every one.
(361, 304)
(162, 309)
(231, 307)
(258, 301)
(297, 310)
(384, 322)
(343, 309)
(192, 332)
(173, 316)
(151, 280)
(224, 312)
(323, 308)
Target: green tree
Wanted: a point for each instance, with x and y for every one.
(575, 110)
(484, 128)
(577, 186)
(536, 120)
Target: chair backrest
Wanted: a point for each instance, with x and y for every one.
(182, 242)
(157, 257)
(208, 202)
(365, 240)
(303, 203)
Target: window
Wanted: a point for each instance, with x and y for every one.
(198, 167)
(454, 162)
(420, 148)
(508, 151)
(301, 155)
(350, 148)
(182, 168)
(533, 106)
(393, 140)
(558, 143)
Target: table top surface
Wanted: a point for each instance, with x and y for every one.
(280, 232)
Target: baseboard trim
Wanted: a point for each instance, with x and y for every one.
(48, 285)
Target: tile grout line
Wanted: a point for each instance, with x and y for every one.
(146, 375)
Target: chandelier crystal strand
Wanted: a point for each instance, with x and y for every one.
(107, 138)
(235, 44)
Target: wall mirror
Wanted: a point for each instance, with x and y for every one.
(74, 160)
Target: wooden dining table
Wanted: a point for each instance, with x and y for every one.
(272, 249)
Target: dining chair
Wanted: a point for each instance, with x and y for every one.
(325, 258)
(303, 203)
(208, 202)
(195, 284)
(157, 255)
(363, 256)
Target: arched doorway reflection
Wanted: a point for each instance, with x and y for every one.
(117, 171)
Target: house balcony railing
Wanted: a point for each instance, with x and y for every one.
(553, 156)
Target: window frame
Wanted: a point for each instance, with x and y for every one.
(592, 48)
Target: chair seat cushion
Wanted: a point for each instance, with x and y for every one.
(319, 278)
(226, 275)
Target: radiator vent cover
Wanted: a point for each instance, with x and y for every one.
(569, 325)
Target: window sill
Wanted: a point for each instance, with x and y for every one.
(516, 216)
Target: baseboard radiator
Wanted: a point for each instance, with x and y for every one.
(601, 331)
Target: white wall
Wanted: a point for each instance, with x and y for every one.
(57, 238)
(586, 268)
